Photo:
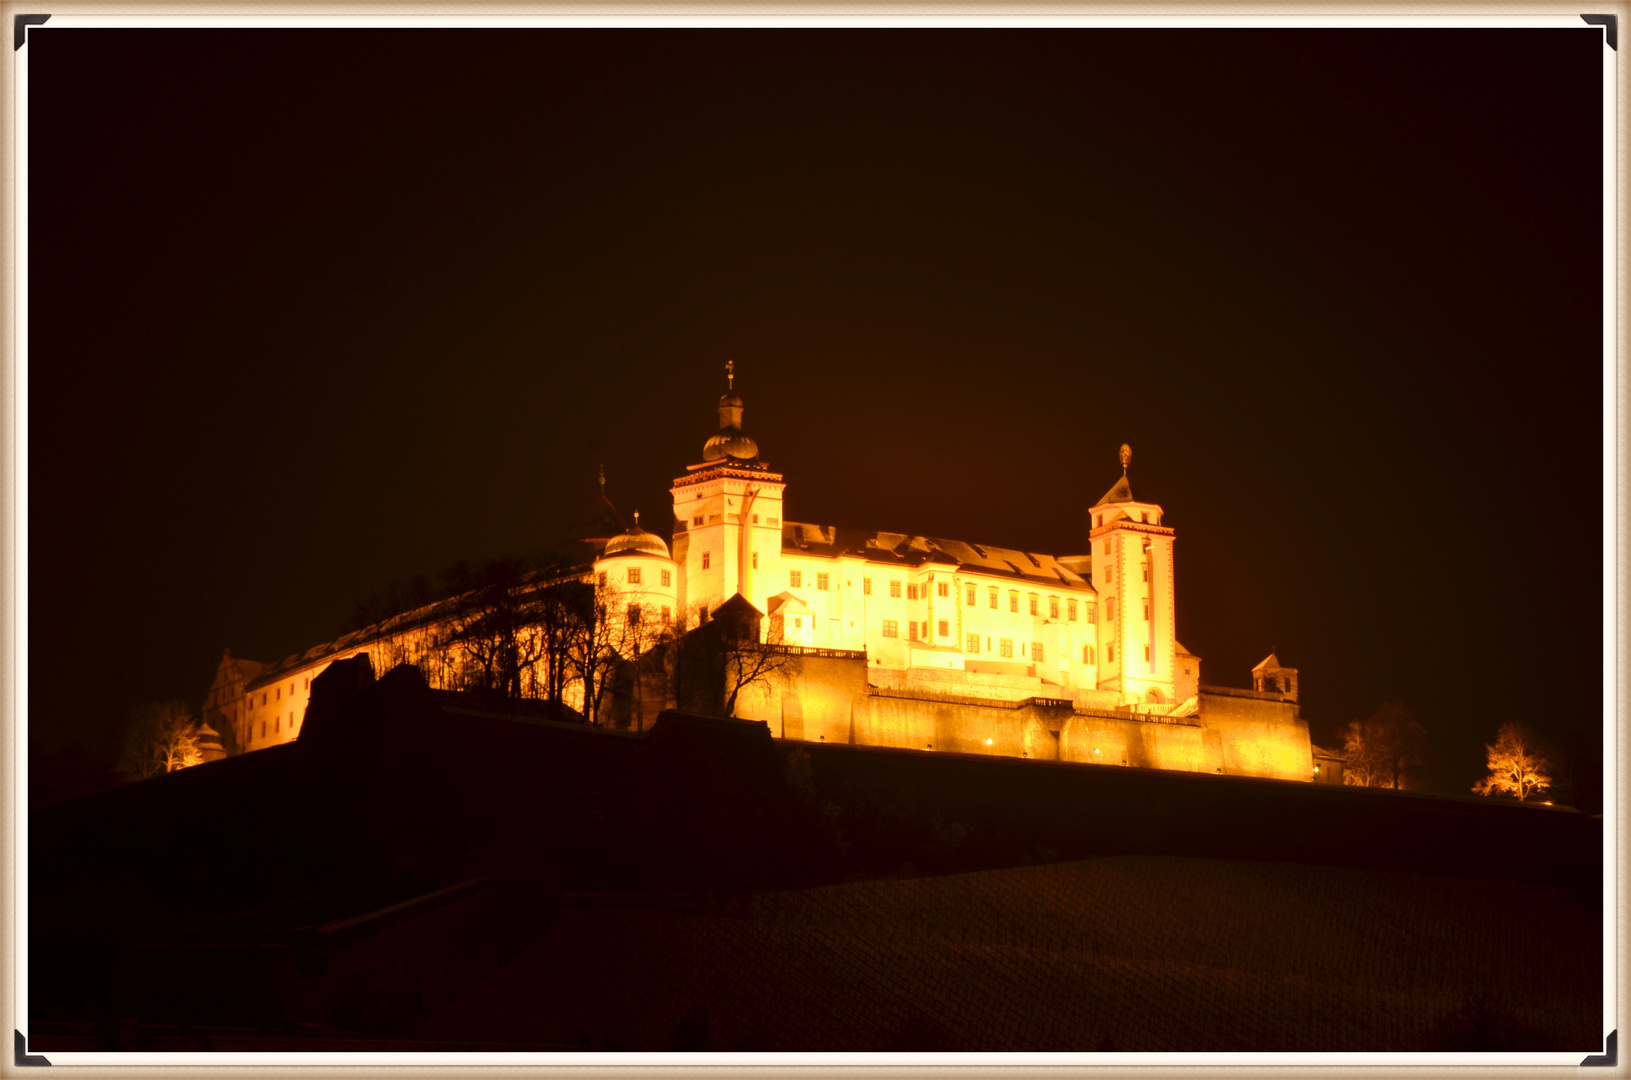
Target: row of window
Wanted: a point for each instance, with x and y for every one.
(1005, 646)
(277, 724)
(277, 694)
(667, 577)
(1110, 573)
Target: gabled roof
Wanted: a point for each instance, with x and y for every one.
(1270, 663)
(783, 599)
(739, 606)
(909, 552)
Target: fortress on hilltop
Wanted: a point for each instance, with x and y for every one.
(889, 639)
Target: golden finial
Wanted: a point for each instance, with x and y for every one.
(603, 479)
(637, 519)
(730, 375)
(1126, 458)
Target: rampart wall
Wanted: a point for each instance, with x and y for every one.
(841, 700)
(1254, 736)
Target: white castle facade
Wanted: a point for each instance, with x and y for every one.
(907, 641)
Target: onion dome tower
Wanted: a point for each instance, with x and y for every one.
(730, 443)
(727, 517)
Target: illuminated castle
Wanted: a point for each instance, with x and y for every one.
(908, 641)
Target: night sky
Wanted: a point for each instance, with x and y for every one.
(312, 311)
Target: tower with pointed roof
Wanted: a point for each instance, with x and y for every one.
(727, 517)
(1133, 573)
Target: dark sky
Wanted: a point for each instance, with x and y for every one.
(313, 310)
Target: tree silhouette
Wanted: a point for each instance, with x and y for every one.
(1516, 765)
(1383, 748)
(493, 622)
(724, 656)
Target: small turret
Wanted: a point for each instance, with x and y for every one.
(1270, 676)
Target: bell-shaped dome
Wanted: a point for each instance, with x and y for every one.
(636, 541)
(730, 443)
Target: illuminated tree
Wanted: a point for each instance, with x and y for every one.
(162, 736)
(1516, 765)
(1383, 748)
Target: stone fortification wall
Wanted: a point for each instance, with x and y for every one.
(810, 700)
(966, 684)
(964, 727)
(1145, 744)
(841, 700)
(1256, 735)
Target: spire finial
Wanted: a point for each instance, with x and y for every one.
(637, 519)
(1126, 458)
(603, 478)
(730, 375)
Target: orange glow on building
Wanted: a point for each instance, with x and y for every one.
(905, 641)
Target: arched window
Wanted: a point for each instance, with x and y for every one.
(1155, 696)
(1087, 654)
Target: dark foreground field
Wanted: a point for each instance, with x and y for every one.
(1123, 953)
(424, 871)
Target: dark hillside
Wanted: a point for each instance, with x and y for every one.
(1127, 953)
(410, 845)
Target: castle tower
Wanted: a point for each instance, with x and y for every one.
(636, 563)
(1132, 571)
(727, 518)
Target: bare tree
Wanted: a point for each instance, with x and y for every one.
(1384, 748)
(612, 627)
(1516, 765)
(162, 736)
(724, 656)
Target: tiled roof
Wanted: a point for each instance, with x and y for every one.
(906, 550)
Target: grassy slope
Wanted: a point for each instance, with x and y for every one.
(1130, 953)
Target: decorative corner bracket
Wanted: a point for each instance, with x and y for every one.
(23, 1056)
(1610, 25)
(21, 23)
(1610, 1055)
